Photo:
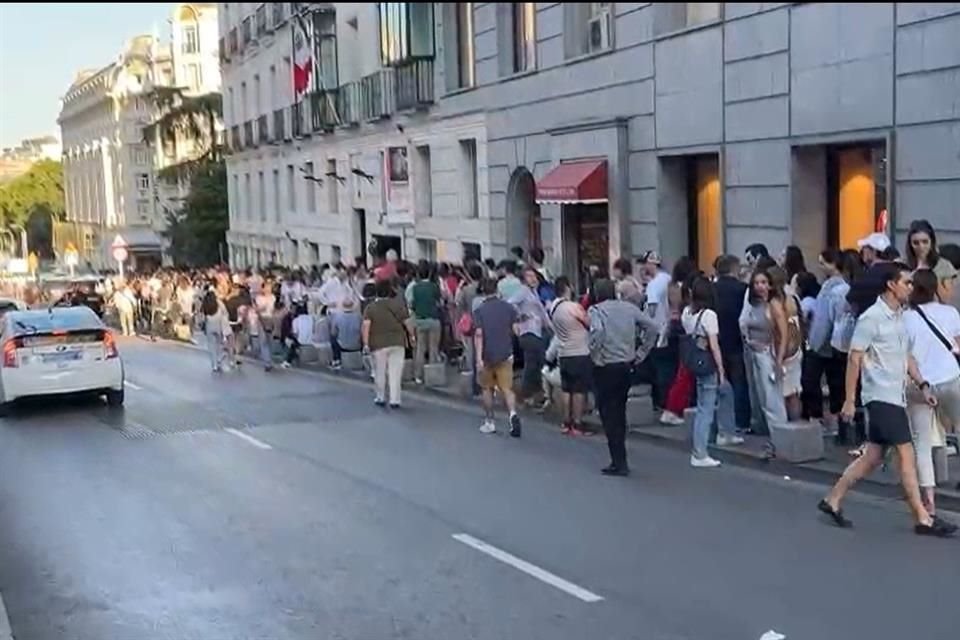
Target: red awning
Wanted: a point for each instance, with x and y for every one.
(582, 182)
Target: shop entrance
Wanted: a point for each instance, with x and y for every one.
(691, 217)
(586, 234)
(383, 243)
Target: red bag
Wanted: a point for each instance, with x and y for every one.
(465, 325)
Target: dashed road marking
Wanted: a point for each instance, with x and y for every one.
(259, 444)
(531, 570)
(132, 385)
(6, 633)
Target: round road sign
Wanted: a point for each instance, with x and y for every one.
(120, 254)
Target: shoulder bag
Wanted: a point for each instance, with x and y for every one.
(696, 359)
(947, 344)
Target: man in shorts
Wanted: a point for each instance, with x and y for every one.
(494, 327)
(571, 325)
(879, 350)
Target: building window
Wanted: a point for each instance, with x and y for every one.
(276, 195)
(262, 196)
(427, 249)
(673, 16)
(143, 181)
(256, 95)
(325, 32)
(191, 42)
(311, 190)
(247, 196)
(423, 182)
(140, 156)
(524, 35)
(333, 183)
(459, 61)
(469, 182)
(143, 209)
(587, 27)
(406, 31)
(291, 189)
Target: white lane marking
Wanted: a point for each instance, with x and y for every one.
(259, 444)
(132, 385)
(531, 570)
(6, 633)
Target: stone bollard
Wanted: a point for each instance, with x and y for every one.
(798, 442)
(352, 360)
(465, 385)
(308, 354)
(435, 374)
(639, 411)
(321, 329)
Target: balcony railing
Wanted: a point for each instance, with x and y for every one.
(378, 95)
(296, 120)
(323, 110)
(279, 126)
(236, 143)
(261, 17)
(349, 100)
(247, 30)
(263, 132)
(279, 13)
(414, 83)
(248, 139)
(233, 44)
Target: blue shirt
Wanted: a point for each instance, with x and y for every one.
(882, 337)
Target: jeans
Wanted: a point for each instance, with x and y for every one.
(767, 391)
(613, 386)
(713, 399)
(736, 369)
(664, 363)
(428, 334)
(388, 366)
(534, 351)
(215, 349)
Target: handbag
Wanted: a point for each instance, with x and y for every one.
(697, 360)
(948, 345)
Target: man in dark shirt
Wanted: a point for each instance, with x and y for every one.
(730, 295)
(494, 322)
(425, 300)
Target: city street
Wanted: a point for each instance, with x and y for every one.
(286, 506)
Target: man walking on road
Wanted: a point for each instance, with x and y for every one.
(494, 322)
(879, 349)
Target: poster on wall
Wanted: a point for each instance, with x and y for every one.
(397, 185)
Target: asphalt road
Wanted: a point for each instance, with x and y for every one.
(286, 506)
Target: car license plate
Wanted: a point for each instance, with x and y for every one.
(61, 356)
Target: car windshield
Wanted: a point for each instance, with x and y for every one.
(55, 320)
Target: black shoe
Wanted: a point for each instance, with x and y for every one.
(835, 514)
(515, 426)
(614, 470)
(394, 405)
(380, 403)
(939, 529)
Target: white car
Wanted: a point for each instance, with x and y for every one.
(61, 350)
(10, 304)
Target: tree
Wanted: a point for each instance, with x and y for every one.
(39, 190)
(198, 230)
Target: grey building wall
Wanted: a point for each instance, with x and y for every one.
(759, 87)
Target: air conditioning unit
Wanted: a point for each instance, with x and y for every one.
(599, 31)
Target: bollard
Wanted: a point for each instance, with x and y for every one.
(352, 360)
(941, 466)
(435, 374)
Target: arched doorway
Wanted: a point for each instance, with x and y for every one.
(40, 232)
(523, 212)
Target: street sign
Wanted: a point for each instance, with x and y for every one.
(120, 254)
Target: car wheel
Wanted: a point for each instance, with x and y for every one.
(115, 398)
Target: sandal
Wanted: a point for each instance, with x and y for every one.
(835, 514)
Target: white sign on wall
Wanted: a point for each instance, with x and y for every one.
(396, 172)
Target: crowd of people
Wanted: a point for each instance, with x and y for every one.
(750, 346)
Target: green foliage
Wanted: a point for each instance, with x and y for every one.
(198, 230)
(192, 117)
(39, 190)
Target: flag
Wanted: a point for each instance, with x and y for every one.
(302, 55)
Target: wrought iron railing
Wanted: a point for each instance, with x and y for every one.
(263, 132)
(378, 95)
(248, 139)
(349, 98)
(323, 110)
(414, 84)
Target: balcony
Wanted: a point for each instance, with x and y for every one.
(246, 29)
(323, 110)
(236, 143)
(233, 44)
(296, 120)
(349, 100)
(263, 131)
(378, 95)
(279, 126)
(261, 19)
(279, 13)
(248, 139)
(414, 84)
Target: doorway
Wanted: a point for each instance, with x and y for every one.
(523, 212)
(360, 239)
(384, 243)
(586, 233)
(690, 211)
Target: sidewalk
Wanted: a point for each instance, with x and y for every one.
(645, 427)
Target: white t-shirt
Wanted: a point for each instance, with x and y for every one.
(303, 328)
(936, 364)
(709, 325)
(657, 293)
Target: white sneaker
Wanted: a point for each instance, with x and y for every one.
(670, 418)
(488, 427)
(724, 440)
(703, 463)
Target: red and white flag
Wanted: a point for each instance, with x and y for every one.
(302, 55)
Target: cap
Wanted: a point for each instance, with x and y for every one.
(652, 256)
(945, 270)
(876, 241)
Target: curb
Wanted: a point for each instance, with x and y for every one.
(948, 501)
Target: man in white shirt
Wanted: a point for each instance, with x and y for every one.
(662, 358)
(337, 292)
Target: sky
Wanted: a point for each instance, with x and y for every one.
(43, 45)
